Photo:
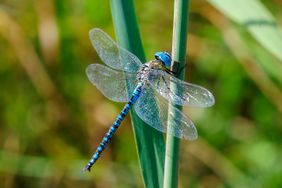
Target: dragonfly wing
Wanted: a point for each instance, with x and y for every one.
(110, 82)
(184, 94)
(153, 109)
(111, 54)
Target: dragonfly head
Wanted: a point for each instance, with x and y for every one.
(164, 57)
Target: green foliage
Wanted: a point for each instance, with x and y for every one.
(254, 17)
(52, 118)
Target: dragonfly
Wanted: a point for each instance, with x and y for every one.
(146, 88)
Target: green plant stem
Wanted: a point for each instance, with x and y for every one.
(150, 143)
(180, 25)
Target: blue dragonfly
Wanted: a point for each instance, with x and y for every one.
(146, 87)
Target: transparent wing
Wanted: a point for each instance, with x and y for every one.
(111, 54)
(153, 109)
(186, 94)
(110, 82)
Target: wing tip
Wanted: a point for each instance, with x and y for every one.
(94, 30)
(192, 137)
(211, 100)
(90, 69)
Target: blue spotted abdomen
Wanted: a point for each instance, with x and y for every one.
(113, 129)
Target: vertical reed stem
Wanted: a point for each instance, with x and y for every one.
(150, 143)
(180, 26)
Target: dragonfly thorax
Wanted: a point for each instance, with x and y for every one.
(156, 65)
(148, 70)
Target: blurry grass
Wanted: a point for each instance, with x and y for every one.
(240, 49)
(43, 167)
(31, 63)
(226, 170)
(254, 17)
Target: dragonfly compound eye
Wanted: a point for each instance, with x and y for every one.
(164, 57)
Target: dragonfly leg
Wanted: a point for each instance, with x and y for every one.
(177, 67)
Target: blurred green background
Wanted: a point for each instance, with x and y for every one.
(52, 118)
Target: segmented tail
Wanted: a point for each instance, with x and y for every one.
(113, 129)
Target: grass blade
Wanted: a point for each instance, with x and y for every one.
(256, 19)
(181, 10)
(150, 143)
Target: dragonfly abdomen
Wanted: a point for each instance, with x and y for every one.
(114, 127)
